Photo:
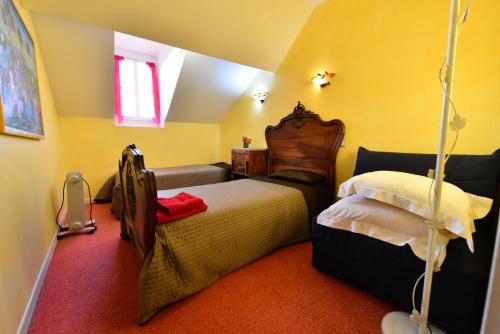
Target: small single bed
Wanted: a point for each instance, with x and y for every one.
(245, 220)
(167, 178)
(390, 271)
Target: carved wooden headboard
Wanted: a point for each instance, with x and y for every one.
(303, 141)
(138, 221)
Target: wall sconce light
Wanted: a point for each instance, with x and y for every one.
(261, 96)
(322, 79)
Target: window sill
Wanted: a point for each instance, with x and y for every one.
(141, 123)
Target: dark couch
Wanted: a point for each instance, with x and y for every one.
(389, 272)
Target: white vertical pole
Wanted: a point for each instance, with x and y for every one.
(439, 172)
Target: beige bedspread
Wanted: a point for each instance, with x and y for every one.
(245, 220)
(186, 176)
(175, 177)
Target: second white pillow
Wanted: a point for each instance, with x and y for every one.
(411, 193)
(383, 222)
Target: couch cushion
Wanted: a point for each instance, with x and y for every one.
(475, 174)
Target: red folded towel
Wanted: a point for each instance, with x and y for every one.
(181, 202)
(163, 218)
(180, 206)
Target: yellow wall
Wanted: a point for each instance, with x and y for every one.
(386, 55)
(29, 172)
(94, 145)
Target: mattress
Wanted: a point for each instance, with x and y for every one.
(245, 220)
(318, 196)
(175, 177)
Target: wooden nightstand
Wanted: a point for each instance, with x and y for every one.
(248, 162)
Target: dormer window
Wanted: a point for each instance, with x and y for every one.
(137, 100)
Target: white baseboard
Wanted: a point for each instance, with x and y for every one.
(25, 323)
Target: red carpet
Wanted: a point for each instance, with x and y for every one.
(91, 287)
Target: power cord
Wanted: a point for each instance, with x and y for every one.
(62, 204)
(90, 198)
(415, 290)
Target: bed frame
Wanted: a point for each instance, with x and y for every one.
(300, 141)
(303, 141)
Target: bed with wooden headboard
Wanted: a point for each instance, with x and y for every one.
(245, 220)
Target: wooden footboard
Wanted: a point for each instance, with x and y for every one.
(139, 194)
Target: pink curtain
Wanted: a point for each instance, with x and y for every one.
(156, 93)
(118, 98)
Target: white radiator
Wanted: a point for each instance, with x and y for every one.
(76, 222)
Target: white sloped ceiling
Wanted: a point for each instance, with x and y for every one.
(255, 33)
(77, 44)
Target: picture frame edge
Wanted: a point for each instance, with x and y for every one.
(4, 129)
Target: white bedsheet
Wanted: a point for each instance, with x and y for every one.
(383, 222)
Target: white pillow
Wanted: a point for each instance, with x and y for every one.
(411, 192)
(383, 222)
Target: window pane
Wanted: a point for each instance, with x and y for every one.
(146, 104)
(145, 91)
(144, 79)
(127, 83)
(136, 89)
(128, 102)
(127, 74)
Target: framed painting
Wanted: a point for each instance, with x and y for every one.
(20, 113)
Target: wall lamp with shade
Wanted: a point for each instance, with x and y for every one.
(261, 96)
(322, 79)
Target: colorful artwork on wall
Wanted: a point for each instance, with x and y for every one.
(20, 112)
